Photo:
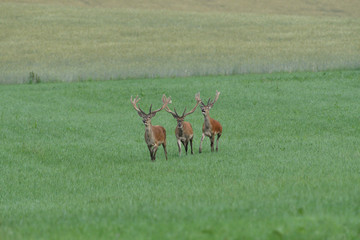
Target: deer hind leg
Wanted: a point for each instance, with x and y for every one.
(191, 140)
(179, 146)
(164, 146)
(212, 139)
(217, 141)
(202, 139)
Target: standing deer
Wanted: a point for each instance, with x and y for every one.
(154, 135)
(211, 127)
(183, 131)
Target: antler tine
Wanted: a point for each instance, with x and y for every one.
(216, 98)
(183, 115)
(165, 101)
(197, 97)
(208, 102)
(169, 111)
(142, 111)
(138, 109)
(167, 107)
(150, 108)
(134, 102)
(198, 101)
(176, 112)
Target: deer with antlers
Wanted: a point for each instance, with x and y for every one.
(154, 135)
(184, 132)
(211, 127)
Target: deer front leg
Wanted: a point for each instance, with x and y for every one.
(179, 146)
(151, 154)
(154, 150)
(212, 139)
(202, 139)
(186, 145)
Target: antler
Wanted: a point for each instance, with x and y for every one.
(168, 109)
(134, 102)
(197, 97)
(172, 113)
(176, 115)
(198, 100)
(165, 101)
(215, 99)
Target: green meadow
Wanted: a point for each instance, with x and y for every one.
(74, 163)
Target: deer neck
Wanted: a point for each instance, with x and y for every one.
(180, 131)
(207, 121)
(149, 135)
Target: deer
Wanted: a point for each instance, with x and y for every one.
(211, 127)
(154, 135)
(184, 132)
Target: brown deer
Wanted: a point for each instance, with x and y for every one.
(154, 135)
(211, 127)
(183, 131)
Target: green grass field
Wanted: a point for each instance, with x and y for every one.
(81, 40)
(74, 164)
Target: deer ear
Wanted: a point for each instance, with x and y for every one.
(152, 114)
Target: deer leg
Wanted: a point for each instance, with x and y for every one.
(186, 146)
(179, 146)
(154, 150)
(217, 141)
(164, 146)
(212, 139)
(191, 146)
(202, 139)
(151, 154)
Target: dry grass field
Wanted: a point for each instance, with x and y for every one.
(346, 8)
(80, 40)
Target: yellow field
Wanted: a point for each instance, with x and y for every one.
(72, 40)
(345, 8)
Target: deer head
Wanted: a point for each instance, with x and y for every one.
(180, 118)
(206, 108)
(147, 116)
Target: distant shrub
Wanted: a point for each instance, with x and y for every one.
(33, 78)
